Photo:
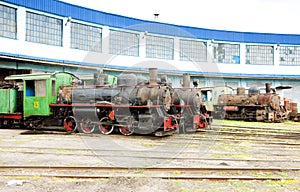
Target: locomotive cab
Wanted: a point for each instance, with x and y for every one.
(40, 90)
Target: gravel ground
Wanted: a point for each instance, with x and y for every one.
(143, 184)
(74, 150)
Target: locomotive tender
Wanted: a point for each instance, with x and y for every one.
(130, 106)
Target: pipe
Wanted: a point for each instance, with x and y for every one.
(268, 87)
(240, 91)
(153, 76)
(186, 80)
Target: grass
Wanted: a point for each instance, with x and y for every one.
(21, 142)
(32, 178)
(32, 161)
(177, 172)
(140, 171)
(69, 180)
(3, 163)
(149, 145)
(283, 182)
(63, 151)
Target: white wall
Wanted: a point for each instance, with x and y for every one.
(20, 47)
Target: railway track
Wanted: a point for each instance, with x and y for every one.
(253, 131)
(242, 173)
(128, 158)
(237, 147)
(221, 153)
(150, 153)
(217, 129)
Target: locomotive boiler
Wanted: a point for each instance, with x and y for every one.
(253, 106)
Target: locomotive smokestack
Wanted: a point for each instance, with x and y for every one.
(153, 76)
(96, 79)
(268, 87)
(241, 91)
(186, 81)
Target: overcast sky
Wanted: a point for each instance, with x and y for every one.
(271, 16)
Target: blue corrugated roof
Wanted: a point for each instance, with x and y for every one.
(89, 15)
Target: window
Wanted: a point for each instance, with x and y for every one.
(233, 85)
(159, 47)
(218, 83)
(43, 29)
(226, 53)
(8, 22)
(255, 84)
(53, 87)
(40, 88)
(36, 88)
(193, 51)
(259, 55)
(30, 88)
(289, 55)
(124, 43)
(86, 37)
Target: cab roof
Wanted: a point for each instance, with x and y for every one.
(34, 76)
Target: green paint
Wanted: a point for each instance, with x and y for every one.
(10, 98)
(40, 90)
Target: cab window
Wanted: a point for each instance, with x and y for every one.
(53, 87)
(36, 88)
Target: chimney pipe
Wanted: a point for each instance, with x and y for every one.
(153, 76)
(186, 81)
(268, 87)
(241, 91)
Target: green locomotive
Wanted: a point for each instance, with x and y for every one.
(26, 100)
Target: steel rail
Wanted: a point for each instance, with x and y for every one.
(240, 173)
(262, 134)
(194, 159)
(169, 169)
(251, 127)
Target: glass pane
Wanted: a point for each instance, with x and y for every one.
(40, 88)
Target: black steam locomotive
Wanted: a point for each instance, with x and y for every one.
(134, 106)
(128, 107)
(193, 112)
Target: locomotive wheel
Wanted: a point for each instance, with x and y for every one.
(107, 127)
(125, 131)
(87, 126)
(70, 124)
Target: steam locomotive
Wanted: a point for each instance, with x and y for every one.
(254, 106)
(128, 107)
(60, 99)
(193, 112)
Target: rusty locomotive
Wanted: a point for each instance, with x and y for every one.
(254, 106)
